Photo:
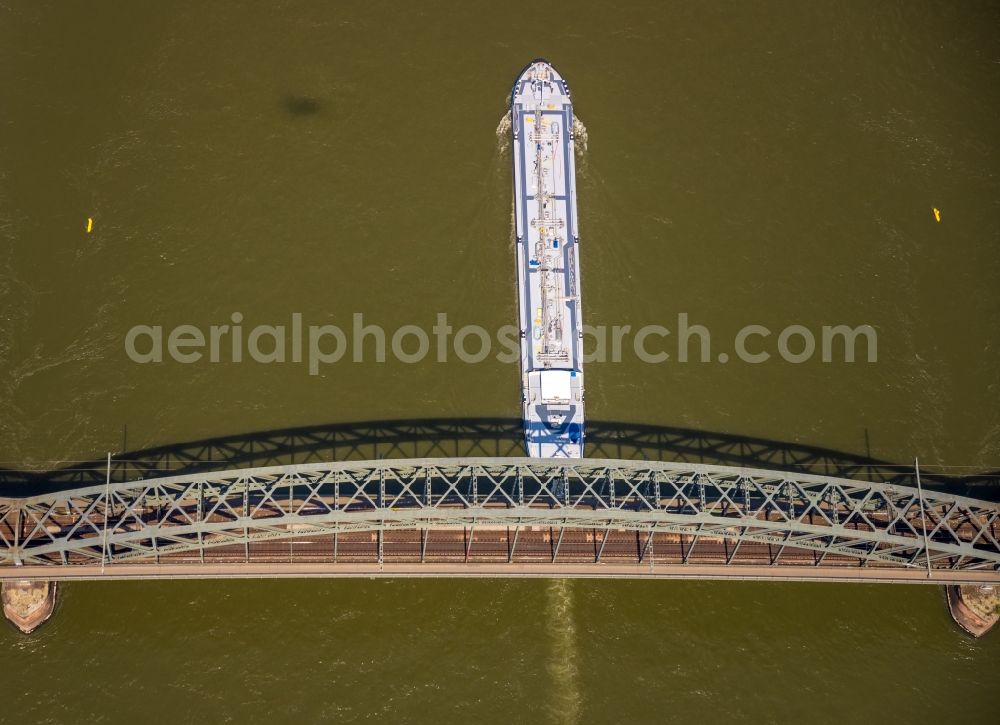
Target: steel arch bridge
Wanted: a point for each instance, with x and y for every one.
(502, 516)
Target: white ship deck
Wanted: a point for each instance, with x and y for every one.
(548, 265)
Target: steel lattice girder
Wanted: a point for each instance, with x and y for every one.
(871, 522)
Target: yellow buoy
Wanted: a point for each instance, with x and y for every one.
(937, 214)
(90, 225)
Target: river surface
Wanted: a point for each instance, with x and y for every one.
(771, 164)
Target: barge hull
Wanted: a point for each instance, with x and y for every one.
(548, 264)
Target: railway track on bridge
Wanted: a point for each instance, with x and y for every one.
(502, 516)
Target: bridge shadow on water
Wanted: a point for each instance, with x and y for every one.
(463, 437)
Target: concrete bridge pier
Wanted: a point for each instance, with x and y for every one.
(28, 603)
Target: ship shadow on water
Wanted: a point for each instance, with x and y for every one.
(479, 437)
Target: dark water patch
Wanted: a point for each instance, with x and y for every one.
(299, 106)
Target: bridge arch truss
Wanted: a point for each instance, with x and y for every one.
(483, 509)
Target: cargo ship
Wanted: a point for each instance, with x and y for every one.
(548, 263)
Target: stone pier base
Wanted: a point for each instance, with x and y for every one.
(974, 608)
(28, 604)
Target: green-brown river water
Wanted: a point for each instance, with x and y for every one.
(745, 163)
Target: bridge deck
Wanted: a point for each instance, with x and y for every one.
(517, 515)
(429, 570)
